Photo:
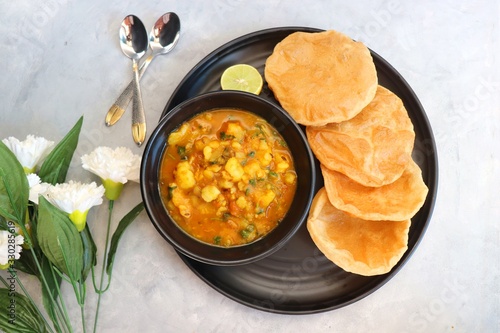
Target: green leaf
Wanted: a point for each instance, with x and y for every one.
(18, 314)
(124, 223)
(89, 252)
(59, 239)
(55, 167)
(3, 223)
(14, 188)
(26, 263)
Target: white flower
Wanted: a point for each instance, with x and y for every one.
(75, 199)
(30, 151)
(118, 165)
(114, 166)
(37, 188)
(10, 247)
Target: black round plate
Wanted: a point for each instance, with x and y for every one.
(298, 279)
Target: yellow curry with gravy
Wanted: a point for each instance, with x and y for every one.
(227, 177)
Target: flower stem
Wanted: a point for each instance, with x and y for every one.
(27, 294)
(62, 312)
(104, 259)
(79, 294)
(82, 304)
(81, 301)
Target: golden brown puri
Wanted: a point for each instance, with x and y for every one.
(372, 148)
(320, 78)
(356, 245)
(397, 201)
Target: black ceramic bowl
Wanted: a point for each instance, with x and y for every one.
(212, 254)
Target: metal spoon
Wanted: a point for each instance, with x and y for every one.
(162, 39)
(134, 44)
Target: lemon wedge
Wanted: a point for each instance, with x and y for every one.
(242, 77)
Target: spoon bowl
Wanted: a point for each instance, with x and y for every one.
(133, 37)
(165, 34)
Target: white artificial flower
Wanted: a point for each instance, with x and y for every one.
(114, 166)
(118, 165)
(30, 151)
(10, 245)
(75, 199)
(37, 188)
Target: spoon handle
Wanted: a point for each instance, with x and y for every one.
(118, 108)
(138, 117)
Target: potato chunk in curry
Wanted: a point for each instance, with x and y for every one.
(227, 177)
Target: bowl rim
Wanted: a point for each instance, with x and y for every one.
(210, 254)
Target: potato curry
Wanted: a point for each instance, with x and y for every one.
(227, 177)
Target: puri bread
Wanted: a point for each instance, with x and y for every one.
(321, 77)
(396, 201)
(356, 245)
(373, 148)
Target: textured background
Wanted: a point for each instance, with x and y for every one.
(60, 59)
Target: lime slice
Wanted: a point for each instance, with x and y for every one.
(242, 77)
